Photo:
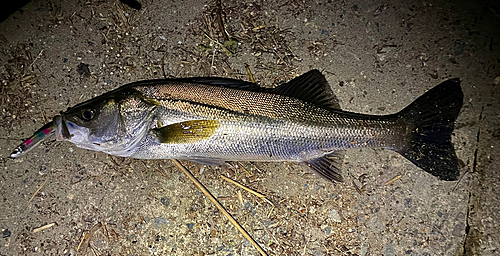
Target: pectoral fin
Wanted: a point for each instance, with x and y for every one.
(187, 132)
(327, 167)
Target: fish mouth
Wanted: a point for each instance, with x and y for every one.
(62, 132)
(68, 131)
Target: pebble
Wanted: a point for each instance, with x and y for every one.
(408, 202)
(364, 249)
(497, 80)
(165, 201)
(160, 221)
(388, 250)
(334, 216)
(375, 225)
(6, 233)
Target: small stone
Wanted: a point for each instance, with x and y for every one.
(364, 249)
(334, 216)
(165, 201)
(458, 230)
(375, 224)
(318, 253)
(388, 250)
(160, 221)
(458, 47)
(497, 80)
(83, 69)
(408, 202)
(6, 233)
(249, 207)
(328, 230)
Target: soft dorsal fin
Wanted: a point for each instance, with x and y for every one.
(311, 87)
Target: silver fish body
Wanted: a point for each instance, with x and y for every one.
(260, 126)
(211, 120)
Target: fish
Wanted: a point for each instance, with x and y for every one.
(210, 120)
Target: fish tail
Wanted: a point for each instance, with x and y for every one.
(431, 119)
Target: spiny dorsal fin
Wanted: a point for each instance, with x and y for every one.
(187, 132)
(224, 82)
(311, 87)
(327, 167)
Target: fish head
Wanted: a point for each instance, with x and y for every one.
(113, 123)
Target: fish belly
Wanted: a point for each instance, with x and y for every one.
(260, 141)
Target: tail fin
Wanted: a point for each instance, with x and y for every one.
(432, 117)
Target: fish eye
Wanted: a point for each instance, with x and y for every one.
(88, 114)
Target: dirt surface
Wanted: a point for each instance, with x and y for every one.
(377, 55)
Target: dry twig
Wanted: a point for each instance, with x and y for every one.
(38, 190)
(44, 227)
(85, 241)
(393, 179)
(219, 206)
(249, 73)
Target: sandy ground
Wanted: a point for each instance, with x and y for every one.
(377, 55)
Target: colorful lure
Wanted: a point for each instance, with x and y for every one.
(42, 134)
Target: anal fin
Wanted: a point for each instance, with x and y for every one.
(327, 167)
(206, 161)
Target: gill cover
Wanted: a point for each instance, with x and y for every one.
(113, 123)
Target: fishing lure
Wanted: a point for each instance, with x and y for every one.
(44, 133)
